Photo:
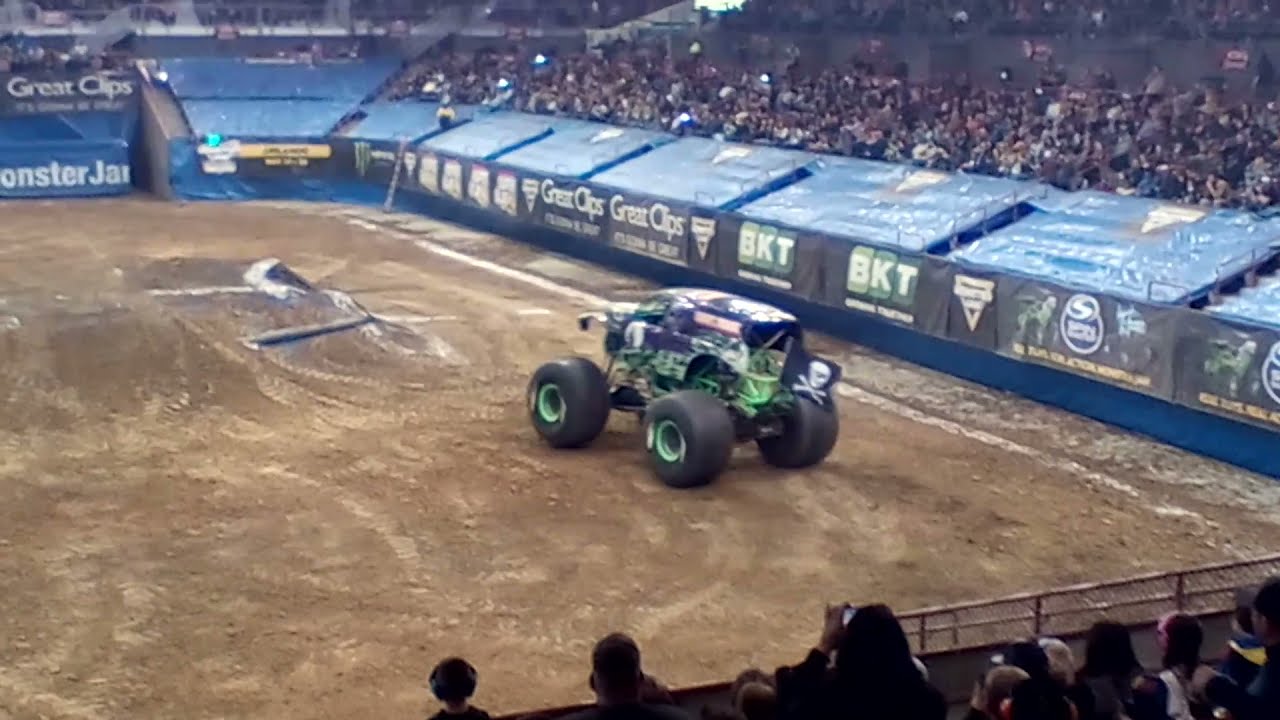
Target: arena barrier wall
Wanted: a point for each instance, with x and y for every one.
(67, 134)
(1179, 379)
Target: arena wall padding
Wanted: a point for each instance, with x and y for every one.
(65, 169)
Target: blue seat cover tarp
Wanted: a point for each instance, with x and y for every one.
(578, 148)
(888, 204)
(1140, 249)
(403, 120)
(264, 118)
(704, 172)
(247, 79)
(489, 135)
(1254, 306)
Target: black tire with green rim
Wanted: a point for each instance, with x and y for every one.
(808, 436)
(569, 402)
(689, 437)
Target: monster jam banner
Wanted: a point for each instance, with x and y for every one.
(769, 255)
(1229, 370)
(65, 169)
(272, 160)
(957, 303)
(1120, 342)
(872, 280)
(657, 229)
(65, 93)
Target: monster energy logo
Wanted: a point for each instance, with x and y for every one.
(366, 156)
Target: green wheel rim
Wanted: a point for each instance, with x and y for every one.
(668, 442)
(549, 404)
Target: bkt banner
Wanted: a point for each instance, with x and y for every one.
(48, 93)
(87, 169)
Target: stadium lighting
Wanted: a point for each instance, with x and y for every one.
(503, 84)
(764, 78)
(540, 59)
(162, 76)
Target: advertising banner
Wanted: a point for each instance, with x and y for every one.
(59, 170)
(654, 228)
(570, 207)
(1229, 370)
(1120, 342)
(266, 159)
(872, 280)
(65, 93)
(959, 302)
(776, 257)
(372, 161)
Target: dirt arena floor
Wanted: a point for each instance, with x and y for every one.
(193, 528)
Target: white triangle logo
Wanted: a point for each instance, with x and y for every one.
(529, 187)
(1167, 216)
(975, 294)
(703, 230)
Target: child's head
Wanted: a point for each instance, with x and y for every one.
(453, 681)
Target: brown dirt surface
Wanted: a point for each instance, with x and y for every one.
(193, 528)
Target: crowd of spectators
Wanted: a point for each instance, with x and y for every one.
(862, 668)
(1182, 145)
(1091, 18)
(19, 53)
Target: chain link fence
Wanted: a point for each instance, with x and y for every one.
(1074, 609)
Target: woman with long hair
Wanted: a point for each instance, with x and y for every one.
(875, 676)
(1166, 695)
(1110, 669)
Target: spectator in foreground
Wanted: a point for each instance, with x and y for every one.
(1110, 668)
(1261, 699)
(874, 677)
(1166, 695)
(453, 682)
(1062, 667)
(1038, 699)
(1245, 654)
(993, 691)
(620, 685)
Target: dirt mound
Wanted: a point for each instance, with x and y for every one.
(64, 367)
(187, 272)
(383, 353)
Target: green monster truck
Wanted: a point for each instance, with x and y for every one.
(704, 370)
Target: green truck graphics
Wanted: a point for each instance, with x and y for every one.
(766, 254)
(883, 283)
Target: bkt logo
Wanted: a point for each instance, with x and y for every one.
(1271, 373)
(582, 199)
(882, 276)
(89, 86)
(764, 247)
(658, 216)
(1081, 324)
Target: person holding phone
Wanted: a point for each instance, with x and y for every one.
(874, 676)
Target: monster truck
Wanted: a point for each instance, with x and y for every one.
(703, 370)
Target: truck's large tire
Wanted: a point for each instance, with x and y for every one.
(569, 402)
(689, 437)
(808, 435)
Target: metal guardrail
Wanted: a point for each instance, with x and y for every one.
(1072, 610)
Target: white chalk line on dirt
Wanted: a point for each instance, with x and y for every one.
(846, 389)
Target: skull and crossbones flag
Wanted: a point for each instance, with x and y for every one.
(811, 378)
